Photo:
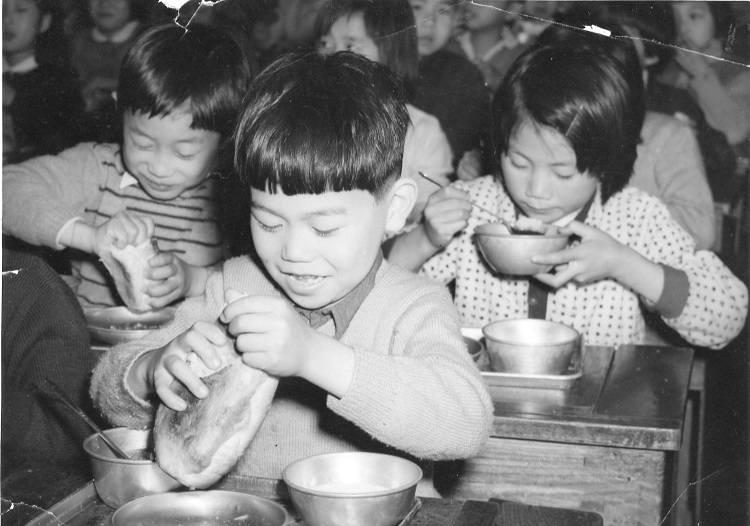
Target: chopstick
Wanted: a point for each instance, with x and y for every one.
(413, 511)
(483, 209)
(64, 398)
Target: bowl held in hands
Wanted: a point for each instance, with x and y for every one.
(511, 254)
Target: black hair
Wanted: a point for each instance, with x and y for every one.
(390, 24)
(581, 93)
(314, 123)
(168, 66)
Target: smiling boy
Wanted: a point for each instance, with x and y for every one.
(178, 93)
(369, 356)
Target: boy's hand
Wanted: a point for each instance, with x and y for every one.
(124, 228)
(173, 279)
(269, 333)
(169, 363)
(470, 166)
(597, 256)
(447, 213)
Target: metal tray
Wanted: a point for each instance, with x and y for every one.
(113, 325)
(495, 379)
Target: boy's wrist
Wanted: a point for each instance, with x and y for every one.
(197, 278)
(79, 235)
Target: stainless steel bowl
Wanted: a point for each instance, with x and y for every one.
(118, 481)
(530, 346)
(115, 325)
(198, 508)
(511, 253)
(343, 489)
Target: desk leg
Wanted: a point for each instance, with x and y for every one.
(625, 486)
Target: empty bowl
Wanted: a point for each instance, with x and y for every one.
(340, 489)
(117, 480)
(530, 346)
(508, 253)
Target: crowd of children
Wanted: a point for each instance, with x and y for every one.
(270, 180)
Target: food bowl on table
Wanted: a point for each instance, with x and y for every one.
(194, 508)
(339, 489)
(530, 346)
(115, 325)
(510, 253)
(117, 480)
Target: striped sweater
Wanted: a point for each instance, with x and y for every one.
(42, 194)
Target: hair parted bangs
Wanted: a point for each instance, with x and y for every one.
(390, 24)
(314, 123)
(582, 94)
(168, 67)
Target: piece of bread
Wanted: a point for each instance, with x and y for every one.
(201, 444)
(128, 269)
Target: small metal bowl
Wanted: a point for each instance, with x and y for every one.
(530, 346)
(117, 480)
(341, 489)
(195, 508)
(115, 325)
(511, 253)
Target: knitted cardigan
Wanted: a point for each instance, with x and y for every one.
(605, 312)
(414, 386)
(42, 194)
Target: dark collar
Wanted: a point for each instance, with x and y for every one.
(343, 310)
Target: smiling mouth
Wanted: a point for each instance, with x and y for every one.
(304, 279)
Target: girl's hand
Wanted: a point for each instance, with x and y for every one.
(597, 256)
(124, 228)
(173, 279)
(470, 165)
(447, 213)
(170, 363)
(269, 333)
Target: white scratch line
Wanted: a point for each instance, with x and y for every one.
(6, 272)
(598, 30)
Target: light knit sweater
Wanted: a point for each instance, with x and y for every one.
(414, 386)
(605, 312)
(670, 166)
(42, 194)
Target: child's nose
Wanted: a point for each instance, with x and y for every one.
(160, 165)
(296, 245)
(538, 186)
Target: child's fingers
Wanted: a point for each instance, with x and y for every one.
(244, 304)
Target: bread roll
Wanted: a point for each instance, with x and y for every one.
(128, 268)
(203, 443)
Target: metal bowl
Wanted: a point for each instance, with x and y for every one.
(118, 481)
(340, 489)
(511, 253)
(197, 508)
(115, 325)
(530, 346)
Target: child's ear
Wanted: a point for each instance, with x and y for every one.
(45, 22)
(402, 197)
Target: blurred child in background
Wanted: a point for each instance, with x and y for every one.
(179, 92)
(96, 53)
(42, 108)
(717, 78)
(566, 129)
(383, 31)
(448, 86)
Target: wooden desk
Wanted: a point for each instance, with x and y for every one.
(601, 446)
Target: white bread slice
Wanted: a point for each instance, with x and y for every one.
(204, 442)
(128, 269)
